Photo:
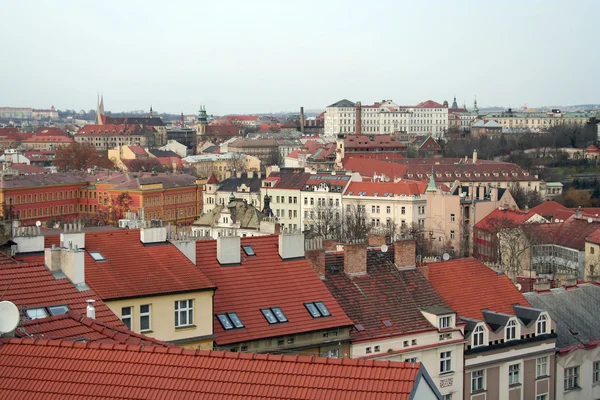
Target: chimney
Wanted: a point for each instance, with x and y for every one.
(302, 120)
(91, 310)
(376, 239)
(313, 250)
(52, 258)
(474, 156)
(405, 251)
(355, 258)
(250, 174)
(291, 245)
(28, 239)
(72, 264)
(541, 285)
(228, 250)
(481, 190)
(157, 234)
(358, 129)
(329, 245)
(73, 233)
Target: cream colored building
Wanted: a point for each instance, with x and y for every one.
(241, 186)
(223, 166)
(537, 121)
(592, 257)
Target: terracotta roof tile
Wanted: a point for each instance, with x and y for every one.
(368, 168)
(547, 209)
(404, 187)
(505, 218)
(370, 141)
(263, 281)
(67, 370)
(469, 286)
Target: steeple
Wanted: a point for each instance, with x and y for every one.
(454, 104)
(202, 118)
(475, 108)
(150, 110)
(431, 187)
(100, 111)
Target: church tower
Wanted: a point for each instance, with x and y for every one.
(454, 104)
(475, 108)
(100, 111)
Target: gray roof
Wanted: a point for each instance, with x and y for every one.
(245, 214)
(496, 321)
(438, 310)
(527, 315)
(575, 312)
(343, 103)
(231, 184)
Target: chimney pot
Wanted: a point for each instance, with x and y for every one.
(91, 310)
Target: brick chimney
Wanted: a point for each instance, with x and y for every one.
(314, 253)
(329, 245)
(355, 258)
(405, 251)
(376, 239)
(358, 129)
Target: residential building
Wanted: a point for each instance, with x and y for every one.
(267, 298)
(388, 205)
(146, 371)
(491, 129)
(50, 113)
(321, 201)
(284, 187)
(512, 121)
(45, 142)
(386, 117)
(286, 146)
(243, 120)
(384, 146)
(509, 353)
(109, 136)
(243, 186)
(120, 154)
(592, 257)
(318, 156)
(176, 147)
(266, 150)
(574, 309)
(397, 314)
(16, 113)
(154, 124)
(185, 136)
(218, 131)
(427, 147)
(143, 278)
(223, 166)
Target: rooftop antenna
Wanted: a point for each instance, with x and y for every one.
(9, 317)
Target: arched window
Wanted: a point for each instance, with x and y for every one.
(542, 324)
(511, 330)
(478, 336)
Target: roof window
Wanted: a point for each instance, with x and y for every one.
(387, 322)
(248, 250)
(230, 321)
(359, 327)
(43, 312)
(317, 309)
(97, 256)
(274, 315)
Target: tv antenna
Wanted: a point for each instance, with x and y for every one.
(9, 317)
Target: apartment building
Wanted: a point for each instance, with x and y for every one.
(266, 150)
(321, 199)
(242, 186)
(223, 165)
(510, 344)
(284, 186)
(511, 120)
(109, 136)
(397, 314)
(45, 142)
(386, 117)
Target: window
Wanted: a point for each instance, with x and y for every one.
(145, 317)
(445, 322)
(413, 342)
(388, 209)
(571, 378)
(387, 323)
(447, 396)
(596, 372)
(97, 256)
(317, 309)
(377, 349)
(359, 327)
(126, 315)
(541, 366)
(368, 350)
(58, 310)
(184, 313)
(274, 315)
(403, 210)
(411, 360)
(248, 250)
(541, 324)
(478, 336)
(452, 218)
(513, 374)
(36, 313)
(445, 361)
(511, 330)
(541, 397)
(477, 380)
(452, 235)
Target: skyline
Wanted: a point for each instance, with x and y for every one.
(264, 56)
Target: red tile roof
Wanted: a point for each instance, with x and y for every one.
(67, 370)
(392, 157)
(570, 233)
(48, 139)
(29, 169)
(369, 141)
(263, 281)
(469, 286)
(547, 209)
(74, 326)
(120, 129)
(504, 218)
(50, 131)
(33, 285)
(241, 118)
(592, 149)
(138, 150)
(594, 237)
(368, 168)
(384, 293)
(429, 104)
(469, 172)
(290, 178)
(134, 270)
(212, 179)
(405, 187)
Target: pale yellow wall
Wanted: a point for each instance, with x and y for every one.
(162, 315)
(592, 261)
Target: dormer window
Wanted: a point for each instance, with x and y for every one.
(511, 330)
(445, 322)
(542, 325)
(478, 336)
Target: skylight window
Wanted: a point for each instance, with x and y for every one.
(230, 321)
(58, 310)
(387, 322)
(97, 256)
(359, 327)
(274, 315)
(248, 250)
(36, 313)
(317, 309)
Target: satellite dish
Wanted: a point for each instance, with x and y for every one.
(446, 256)
(518, 285)
(384, 248)
(9, 317)
(590, 220)
(38, 223)
(556, 220)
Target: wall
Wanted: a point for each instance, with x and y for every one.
(584, 359)
(283, 207)
(162, 319)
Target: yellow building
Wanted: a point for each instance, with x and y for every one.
(592, 257)
(513, 120)
(223, 166)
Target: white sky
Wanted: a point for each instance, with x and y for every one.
(262, 56)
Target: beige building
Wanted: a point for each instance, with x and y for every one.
(223, 166)
(592, 257)
(267, 150)
(283, 186)
(537, 121)
(241, 186)
(106, 137)
(321, 201)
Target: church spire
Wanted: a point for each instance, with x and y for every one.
(100, 111)
(431, 186)
(475, 108)
(150, 110)
(454, 104)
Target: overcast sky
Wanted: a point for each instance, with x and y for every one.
(267, 56)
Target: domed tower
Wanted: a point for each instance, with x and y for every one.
(454, 104)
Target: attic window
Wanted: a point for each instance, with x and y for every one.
(317, 309)
(97, 256)
(36, 313)
(359, 327)
(248, 250)
(58, 310)
(43, 312)
(230, 321)
(274, 315)
(387, 322)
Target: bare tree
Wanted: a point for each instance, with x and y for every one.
(325, 219)
(237, 163)
(355, 224)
